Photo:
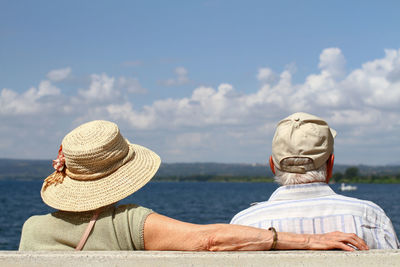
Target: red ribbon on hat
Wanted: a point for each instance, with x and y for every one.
(59, 162)
(59, 165)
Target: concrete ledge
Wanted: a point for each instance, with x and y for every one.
(180, 258)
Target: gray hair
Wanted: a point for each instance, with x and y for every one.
(289, 178)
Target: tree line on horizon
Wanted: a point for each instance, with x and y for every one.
(353, 175)
(211, 172)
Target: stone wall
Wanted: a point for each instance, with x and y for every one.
(180, 258)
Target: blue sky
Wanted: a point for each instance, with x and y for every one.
(200, 80)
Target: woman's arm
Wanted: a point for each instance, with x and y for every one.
(164, 233)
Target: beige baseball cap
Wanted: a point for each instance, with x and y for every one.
(302, 135)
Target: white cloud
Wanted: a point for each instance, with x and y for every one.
(131, 85)
(266, 75)
(358, 104)
(332, 62)
(125, 112)
(31, 101)
(101, 88)
(181, 78)
(59, 74)
(222, 122)
(47, 89)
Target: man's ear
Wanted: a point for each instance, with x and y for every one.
(272, 165)
(329, 167)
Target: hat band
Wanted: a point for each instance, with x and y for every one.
(94, 176)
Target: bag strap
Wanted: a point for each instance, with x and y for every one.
(88, 230)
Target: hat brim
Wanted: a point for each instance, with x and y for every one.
(76, 195)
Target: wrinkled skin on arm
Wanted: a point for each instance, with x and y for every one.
(164, 233)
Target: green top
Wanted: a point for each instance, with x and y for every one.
(117, 228)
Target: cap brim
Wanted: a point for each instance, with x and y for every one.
(333, 132)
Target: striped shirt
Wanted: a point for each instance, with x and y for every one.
(315, 209)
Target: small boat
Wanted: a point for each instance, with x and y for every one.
(344, 187)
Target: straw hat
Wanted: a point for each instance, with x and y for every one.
(101, 168)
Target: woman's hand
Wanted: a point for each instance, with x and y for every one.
(328, 241)
(337, 240)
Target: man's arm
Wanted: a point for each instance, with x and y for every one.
(163, 233)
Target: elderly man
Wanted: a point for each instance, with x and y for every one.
(302, 161)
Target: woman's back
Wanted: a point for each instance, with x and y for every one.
(117, 228)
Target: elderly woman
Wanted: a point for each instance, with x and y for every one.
(95, 168)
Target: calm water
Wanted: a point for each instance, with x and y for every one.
(191, 202)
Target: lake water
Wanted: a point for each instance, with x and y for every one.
(192, 202)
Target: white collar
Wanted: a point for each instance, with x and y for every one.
(301, 191)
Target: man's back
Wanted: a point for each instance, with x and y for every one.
(315, 209)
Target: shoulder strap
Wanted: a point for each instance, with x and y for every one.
(88, 230)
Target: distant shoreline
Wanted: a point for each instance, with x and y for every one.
(210, 172)
(240, 179)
